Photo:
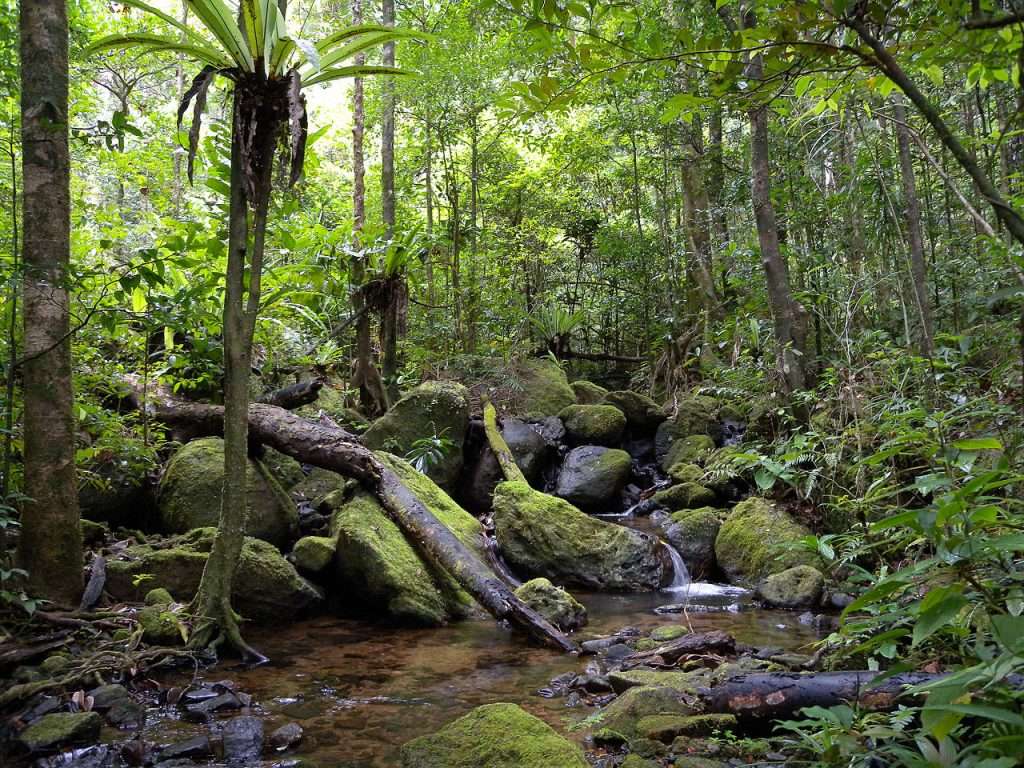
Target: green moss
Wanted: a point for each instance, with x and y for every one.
(313, 554)
(545, 390)
(542, 535)
(666, 728)
(796, 587)
(642, 413)
(434, 408)
(55, 663)
(685, 472)
(160, 626)
(606, 737)
(757, 540)
(695, 415)
(624, 713)
(55, 730)
(588, 393)
(691, 449)
(685, 496)
(693, 533)
(286, 470)
(593, 476)
(664, 634)
(677, 680)
(493, 736)
(92, 533)
(318, 484)
(635, 761)
(159, 596)
(553, 603)
(642, 747)
(332, 402)
(593, 424)
(190, 493)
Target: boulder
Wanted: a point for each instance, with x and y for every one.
(634, 704)
(242, 738)
(687, 450)
(530, 451)
(693, 532)
(588, 393)
(377, 569)
(544, 387)
(61, 728)
(643, 415)
(756, 540)
(592, 477)
(684, 472)
(493, 736)
(313, 555)
(331, 401)
(161, 626)
(593, 424)
(286, 470)
(794, 588)
(541, 535)
(666, 728)
(694, 415)
(433, 409)
(317, 484)
(554, 604)
(190, 492)
(119, 494)
(267, 587)
(685, 496)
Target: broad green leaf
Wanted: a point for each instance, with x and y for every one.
(985, 711)
(223, 24)
(338, 73)
(978, 444)
(937, 616)
(157, 43)
(166, 17)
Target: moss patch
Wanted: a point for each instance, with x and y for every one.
(684, 472)
(545, 389)
(685, 496)
(588, 393)
(756, 540)
(54, 730)
(593, 424)
(691, 449)
(553, 603)
(796, 587)
(626, 711)
(642, 413)
(313, 554)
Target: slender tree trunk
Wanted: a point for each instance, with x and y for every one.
(389, 323)
(716, 180)
(698, 221)
(915, 239)
(50, 544)
(474, 234)
(854, 215)
(428, 173)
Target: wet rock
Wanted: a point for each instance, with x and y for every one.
(377, 568)
(623, 714)
(96, 756)
(195, 748)
(434, 408)
(541, 535)
(60, 729)
(161, 626)
(694, 415)
(642, 414)
(554, 604)
(493, 736)
(641, 747)
(682, 682)
(840, 600)
(313, 555)
(692, 532)
(593, 424)
(287, 736)
(117, 705)
(588, 393)
(592, 683)
(796, 587)
(243, 740)
(636, 761)
(551, 429)
(618, 651)
(544, 387)
(190, 492)
(666, 728)
(201, 711)
(646, 507)
(592, 477)
(756, 540)
(267, 587)
(531, 452)
(685, 496)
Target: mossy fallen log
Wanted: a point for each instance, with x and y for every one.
(331, 447)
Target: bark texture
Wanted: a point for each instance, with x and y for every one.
(50, 545)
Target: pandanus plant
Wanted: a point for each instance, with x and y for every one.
(267, 68)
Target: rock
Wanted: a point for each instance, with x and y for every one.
(694, 415)
(197, 747)
(61, 728)
(634, 704)
(122, 494)
(793, 588)
(544, 387)
(433, 409)
(687, 450)
(684, 472)
(331, 401)
(243, 740)
(318, 484)
(666, 633)
(642, 748)
(592, 477)
(588, 393)
(593, 424)
(126, 714)
(541, 535)
(190, 493)
(685, 496)
(160, 626)
(286, 470)
(692, 532)
(635, 761)
(267, 587)
(287, 736)
(531, 452)
(493, 736)
(643, 415)
(202, 710)
(313, 555)
(377, 568)
(682, 682)
(93, 534)
(756, 540)
(554, 604)
(551, 429)
(159, 596)
(666, 728)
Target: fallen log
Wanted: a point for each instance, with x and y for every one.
(295, 395)
(330, 447)
(506, 461)
(696, 643)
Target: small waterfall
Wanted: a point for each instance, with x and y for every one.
(680, 573)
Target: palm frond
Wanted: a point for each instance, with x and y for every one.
(222, 24)
(337, 73)
(156, 43)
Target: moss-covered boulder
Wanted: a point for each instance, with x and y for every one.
(331, 401)
(493, 736)
(592, 477)
(313, 555)
(190, 494)
(554, 604)
(693, 533)
(793, 588)
(642, 414)
(692, 449)
(588, 393)
(378, 570)
(685, 496)
(593, 424)
(117, 492)
(625, 712)
(685, 472)
(694, 415)
(545, 390)
(541, 535)
(758, 539)
(267, 587)
(318, 484)
(161, 626)
(666, 728)
(286, 470)
(61, 728)
(434, 408)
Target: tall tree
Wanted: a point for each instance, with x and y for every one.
(50, 546)
(396, 293)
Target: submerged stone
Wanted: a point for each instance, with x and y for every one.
(541, 535)
(797, 587)
(493, 736)
(61, 728)
(553, 603)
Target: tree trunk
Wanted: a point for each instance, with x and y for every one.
(912, 208)
(698, 222)
(335, 449)
(389, 323)
(428, 173)
(50, 544)
(716, 179)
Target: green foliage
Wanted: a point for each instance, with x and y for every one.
(427, 452)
